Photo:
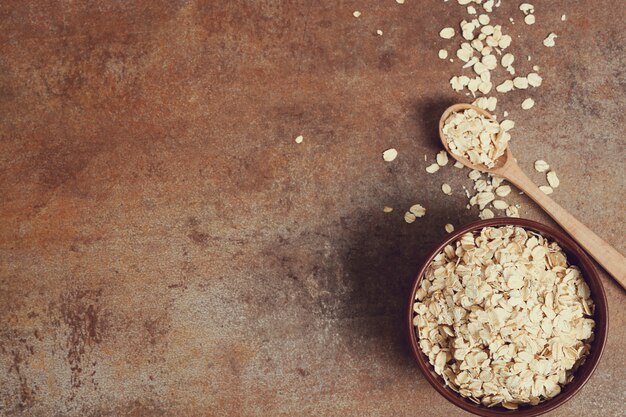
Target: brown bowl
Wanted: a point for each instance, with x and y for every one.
(576, 256)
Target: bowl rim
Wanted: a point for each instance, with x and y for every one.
(601, 316)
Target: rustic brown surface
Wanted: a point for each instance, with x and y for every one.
(167, 249)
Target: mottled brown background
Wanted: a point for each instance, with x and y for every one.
(167, 249)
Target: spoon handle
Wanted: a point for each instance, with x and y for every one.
(607, 256)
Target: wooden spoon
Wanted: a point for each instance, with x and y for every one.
(506, 166)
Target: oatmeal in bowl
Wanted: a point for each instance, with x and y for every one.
(507, 316)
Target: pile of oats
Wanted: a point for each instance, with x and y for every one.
(503, 318)
(484, 52)
(488, 68)
(483, 48)
(473, 136)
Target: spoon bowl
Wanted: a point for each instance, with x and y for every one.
(460, 107)
(506, 167)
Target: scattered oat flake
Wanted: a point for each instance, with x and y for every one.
(541, 165)
(486, 214)
(443, 54)
(553, 180)
(527, 8)
(534, 79)
(528, 104)
(474, 175)
(409, 217)
(546, 189)
(512, 211)
(447, 33)
(446, 189)
(457, 164)
(449, 228)
(356, 13)
(418, 210)
(507, 60)
(503, 191)
(505, 86)
(549, 40)
(530, 19)
(299, 139)
(563, 18)
(483, 198)
(499, 204)
(387, 209)
(400, 1)
(431, 169)
(390, 154)
(520, 83)
(379, 32)
(442, 158)
(507, 125)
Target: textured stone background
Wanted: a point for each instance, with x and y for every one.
(167, 249)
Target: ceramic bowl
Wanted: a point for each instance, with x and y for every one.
(575, 255)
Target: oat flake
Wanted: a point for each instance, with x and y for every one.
(390, 154)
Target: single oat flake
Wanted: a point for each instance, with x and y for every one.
(505, 86)
(507, 60)
(534, 79)
(387, 209)
(500, 205)
(512, 211)
(442, 158)
(541, 166)
(409, 217)
(447, 33)
(503, 191)
(486, 214)
(527, 8)
(528, 104)
(549, 40)
(390, 154)
(431, 169)
(449, 228)
(520, 83)
(299, 139)
(553, 180)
